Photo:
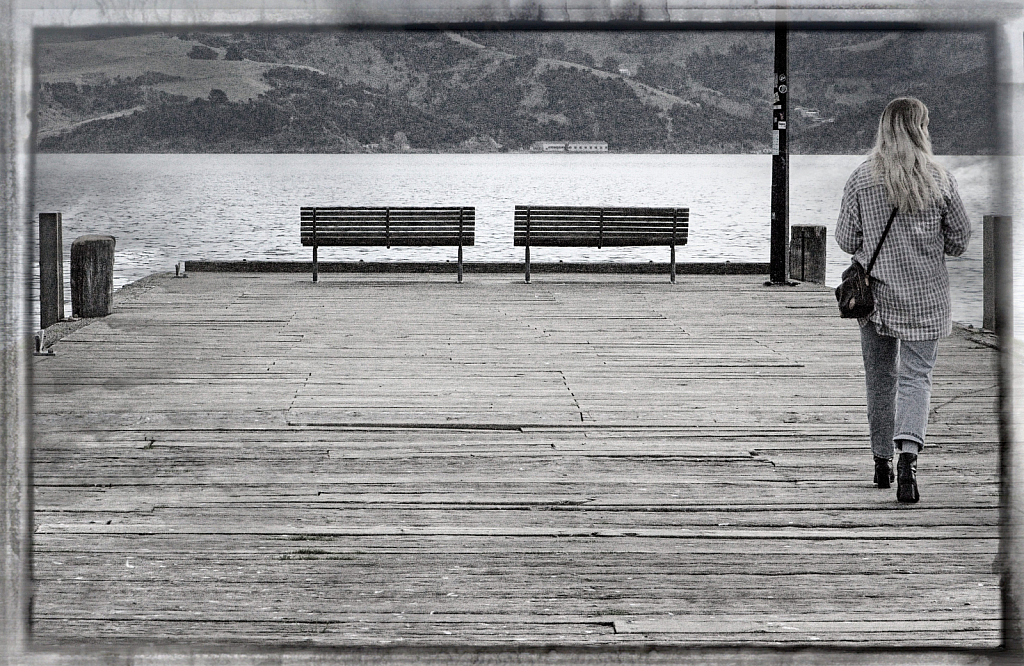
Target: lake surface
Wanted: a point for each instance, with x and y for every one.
(167, 208)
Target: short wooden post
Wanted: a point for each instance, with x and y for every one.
(807, 253)
(51, 269)
(92, 275)
(996, 231)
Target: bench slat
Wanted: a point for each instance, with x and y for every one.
(596, 224)
(573, 210)
(380, 213)
(596, 218)
(583, 233)
(547, 227)
(555, 223)
(380, 209)
(382, 240)
(374, 224)
(592, 241)
(325, 217)
(340, 237)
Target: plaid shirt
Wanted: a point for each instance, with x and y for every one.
(909, 279)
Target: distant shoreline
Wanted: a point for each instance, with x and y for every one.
(419, 152)
(470, 152)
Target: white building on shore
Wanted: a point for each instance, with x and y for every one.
(548, 146)
(586, 147)
(569, 147)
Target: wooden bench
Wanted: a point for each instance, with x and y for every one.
(352, 226)
(574, 226)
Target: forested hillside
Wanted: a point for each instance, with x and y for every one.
(434, 91)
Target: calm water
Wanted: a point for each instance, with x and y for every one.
(167, 208)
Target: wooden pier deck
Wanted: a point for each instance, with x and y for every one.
(585, 460)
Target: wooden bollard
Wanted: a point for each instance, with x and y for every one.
(92, 275)
(51, 270)
(807, 253)
(997, 290)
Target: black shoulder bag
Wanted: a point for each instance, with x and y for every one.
(854, 292)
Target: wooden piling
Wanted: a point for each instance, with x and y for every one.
(51, 269)
(996, 231)
(807, 253)
(92, 275)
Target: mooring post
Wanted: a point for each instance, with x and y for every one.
(807, 253)
(92, 275)
(995, 231)
(780, 161)
(40, 348)
(51, 269)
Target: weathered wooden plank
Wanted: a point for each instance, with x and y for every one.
(793, 626)
(313, 634)
(250, 550)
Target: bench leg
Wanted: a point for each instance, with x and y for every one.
(672, 275)
(527, 264)
(460, 263)
(314, 263)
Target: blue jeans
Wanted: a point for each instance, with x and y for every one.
(899, 382)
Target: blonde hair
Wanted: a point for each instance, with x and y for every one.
(902, 157)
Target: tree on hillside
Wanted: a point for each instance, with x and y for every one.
(580, 56)
(200, 52)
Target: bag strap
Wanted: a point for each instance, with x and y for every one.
(885, 233)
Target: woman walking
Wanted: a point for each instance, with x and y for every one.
(899, 340)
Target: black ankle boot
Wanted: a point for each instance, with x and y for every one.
(884, 474)
(906, 479)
